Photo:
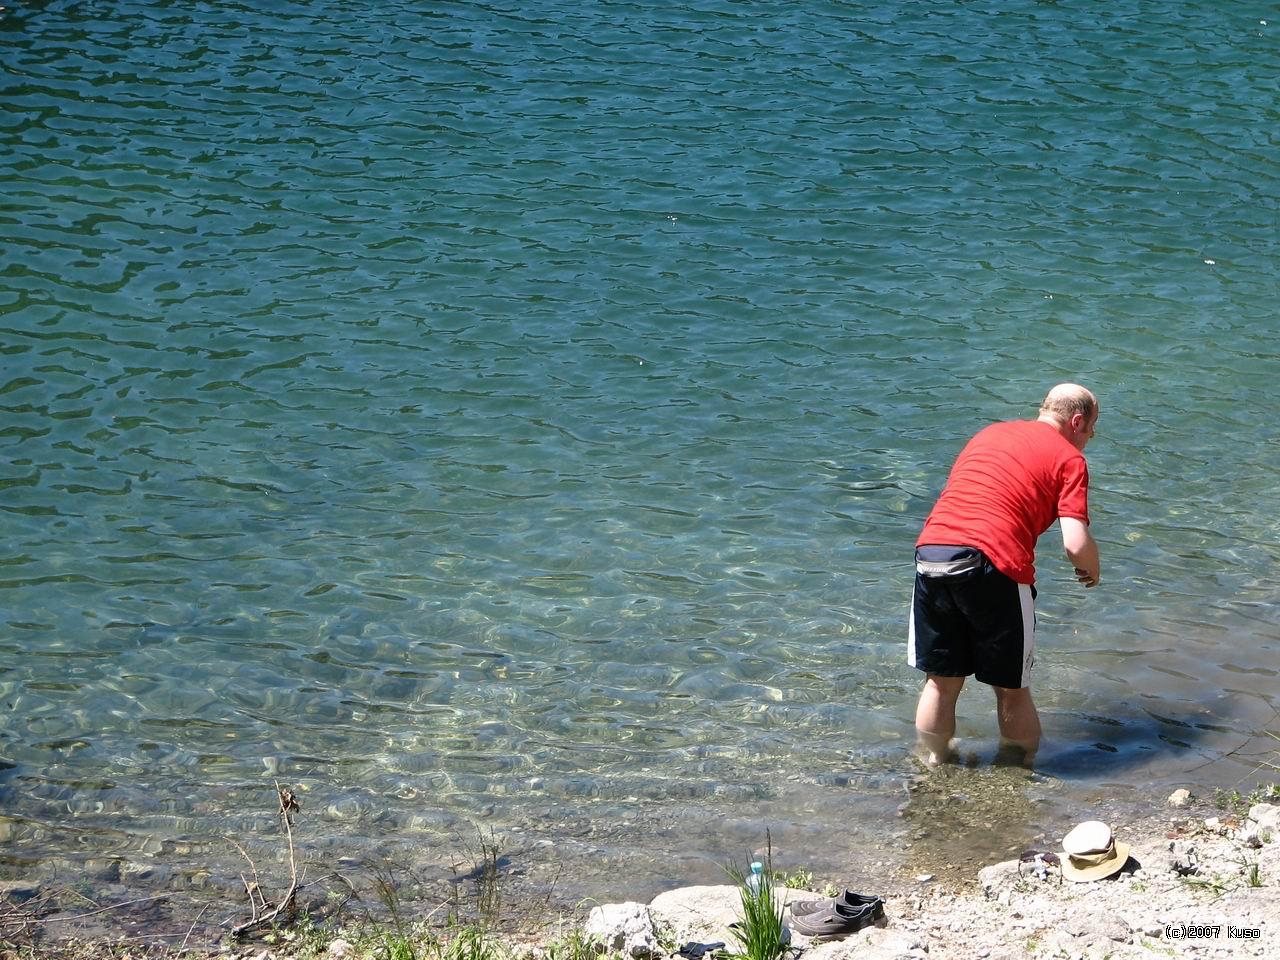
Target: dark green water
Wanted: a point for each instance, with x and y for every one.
(520, 416)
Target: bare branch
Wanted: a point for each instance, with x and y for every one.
(183, 946)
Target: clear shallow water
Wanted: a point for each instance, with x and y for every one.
(521, 415)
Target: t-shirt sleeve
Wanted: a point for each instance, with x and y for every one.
(1073, 495)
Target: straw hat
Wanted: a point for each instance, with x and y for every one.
(1091, 852)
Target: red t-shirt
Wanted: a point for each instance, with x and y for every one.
(1007, 487)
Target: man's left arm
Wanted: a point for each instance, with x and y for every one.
(1082, 550)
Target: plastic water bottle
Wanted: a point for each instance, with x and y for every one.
(756, 878)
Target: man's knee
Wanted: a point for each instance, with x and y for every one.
(944, 686)
(1012, 695)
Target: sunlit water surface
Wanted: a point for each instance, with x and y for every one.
(517, 418)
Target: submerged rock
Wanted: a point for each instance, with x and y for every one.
(18, 891)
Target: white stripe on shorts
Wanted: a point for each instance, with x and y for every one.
(1028, 632)
(911, 630)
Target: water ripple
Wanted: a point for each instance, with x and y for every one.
(429, 406)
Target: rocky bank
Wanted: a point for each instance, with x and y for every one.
(1198, 883)
(1192, 887)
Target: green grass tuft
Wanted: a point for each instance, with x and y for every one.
(759, 933)
(574, 945)
(471, 943)
(797, 879)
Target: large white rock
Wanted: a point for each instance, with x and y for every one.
(1266, 816)
(1092, 926)
(704, 913)
(1163, 857)
(998, 877)
(698, 913)
(624, 928)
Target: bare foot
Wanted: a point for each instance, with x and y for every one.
(934, 751)
(1016, 753)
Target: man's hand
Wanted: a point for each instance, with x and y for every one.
(1087, 578)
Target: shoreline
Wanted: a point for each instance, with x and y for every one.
(1233, 883)
(859, 827)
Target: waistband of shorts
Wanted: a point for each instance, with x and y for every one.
(949, 560)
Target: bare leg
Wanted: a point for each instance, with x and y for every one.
(1019, 724)
(936, 719)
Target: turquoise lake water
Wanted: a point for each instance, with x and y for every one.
(518, 417)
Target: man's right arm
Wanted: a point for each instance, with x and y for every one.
(1082, 550)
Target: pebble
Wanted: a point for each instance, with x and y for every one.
(924, 877)
(1179, 798)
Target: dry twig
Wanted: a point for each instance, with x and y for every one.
(260, 918)
(183, 946)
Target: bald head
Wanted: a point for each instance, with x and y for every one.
(1073, 411)
(1067, 399)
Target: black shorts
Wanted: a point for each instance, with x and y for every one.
(969, 618)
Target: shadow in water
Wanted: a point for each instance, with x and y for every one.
(1093, 747)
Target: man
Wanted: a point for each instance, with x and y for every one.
(973, 607)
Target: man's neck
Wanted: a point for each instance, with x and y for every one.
(1057, 424)
(1066, 431)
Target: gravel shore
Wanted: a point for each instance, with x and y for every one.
(1199, 882)
(1200, 886)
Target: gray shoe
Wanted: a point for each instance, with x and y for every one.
(802, 908)
(854, 901)
(833, 920)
